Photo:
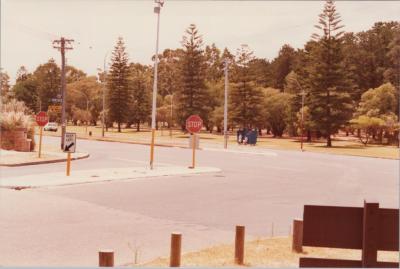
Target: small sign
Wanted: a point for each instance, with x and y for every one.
(56, 100)
(70, 142)
(194, 124)
(42, 119)
(54, 109)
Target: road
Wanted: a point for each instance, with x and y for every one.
(261, 189)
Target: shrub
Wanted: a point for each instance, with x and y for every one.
(14, 114)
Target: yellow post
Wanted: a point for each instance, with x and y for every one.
(153, 131)
(68, 163)
(193, 151)
(40, 141)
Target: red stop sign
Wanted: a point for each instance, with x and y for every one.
(41, 118)
(194, 124)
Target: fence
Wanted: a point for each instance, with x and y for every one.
(368, 228)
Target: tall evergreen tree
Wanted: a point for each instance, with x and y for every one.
(140, 89)
(282, 65)
(331, 104)
(118, 85)
(245, 98)
(193, 98)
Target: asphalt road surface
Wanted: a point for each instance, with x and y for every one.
(261, 189)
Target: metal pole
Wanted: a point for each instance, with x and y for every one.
(154, 107)
(63, 92)
(226, 106)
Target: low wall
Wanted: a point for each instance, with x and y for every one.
(15, 140)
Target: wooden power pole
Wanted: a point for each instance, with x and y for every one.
(63, 44)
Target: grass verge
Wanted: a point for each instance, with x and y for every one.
(271, 252)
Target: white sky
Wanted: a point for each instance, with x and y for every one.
(29, 26)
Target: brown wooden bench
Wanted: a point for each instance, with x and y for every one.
(368, 228)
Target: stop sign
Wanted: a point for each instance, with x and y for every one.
(194, 124)
(41, 118)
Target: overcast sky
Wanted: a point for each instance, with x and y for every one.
(29, 26)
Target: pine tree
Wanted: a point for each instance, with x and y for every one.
(283, 64)
(192, 97)
(140, 89)
(331, 105)
(246, 99)
(118, 94)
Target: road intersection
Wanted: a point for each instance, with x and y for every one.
(67, 225)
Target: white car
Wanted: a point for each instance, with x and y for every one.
(51, 126)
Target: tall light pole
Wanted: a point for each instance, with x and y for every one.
(226, 105)
(157, 10)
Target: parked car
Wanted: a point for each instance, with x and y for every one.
(51, 126)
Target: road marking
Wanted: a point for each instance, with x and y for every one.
(136, 161)
(243, 152)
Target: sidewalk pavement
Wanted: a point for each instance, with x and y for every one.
(98, 175)
(16, 158)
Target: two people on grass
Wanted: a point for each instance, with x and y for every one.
(246, 136)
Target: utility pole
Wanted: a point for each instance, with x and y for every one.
(157, 10)
(63, 44)
(226, 106)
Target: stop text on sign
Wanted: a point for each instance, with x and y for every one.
(194, 124)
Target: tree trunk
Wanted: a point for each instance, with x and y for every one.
(308, 136)
(119, 127)
(329, 140)
(138, 126)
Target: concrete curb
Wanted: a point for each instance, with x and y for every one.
(86, 155)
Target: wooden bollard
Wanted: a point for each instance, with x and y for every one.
(297, 240)
(176, 245)
(239, 245)
(106, 258)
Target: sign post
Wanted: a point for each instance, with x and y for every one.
(194, 124)
(41, 120)
(69, 147)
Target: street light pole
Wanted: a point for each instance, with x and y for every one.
(157, 10)
(226, 106)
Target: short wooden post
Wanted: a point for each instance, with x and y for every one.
(239, 245)
(297, 240)
(40, 141)
(176, 245)
(68, 163)
(106, 258)
(370, 234)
